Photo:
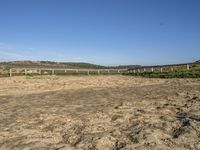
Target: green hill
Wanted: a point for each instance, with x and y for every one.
(48, 64)
(51, 64)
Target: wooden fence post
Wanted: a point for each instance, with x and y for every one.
(188, 67)
(53, 72)
(152, 69)
(161, 69)
(98, 72)
(144, 70)
(172, 69)
(25, 71)
(118, 71)
(10, 72)
(88, 72)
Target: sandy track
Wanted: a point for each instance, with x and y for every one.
(99, 112)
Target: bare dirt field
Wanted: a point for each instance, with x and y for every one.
(99, 113)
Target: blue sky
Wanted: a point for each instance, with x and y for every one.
(107, 32)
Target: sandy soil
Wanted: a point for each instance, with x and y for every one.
(99, 113)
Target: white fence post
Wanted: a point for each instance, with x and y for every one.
(152, 69)
(172, 69)
(25, 71)
(188, 67)
(10, 72)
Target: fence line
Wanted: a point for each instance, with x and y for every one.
(161, 69)
(50, 71)
(67, 71)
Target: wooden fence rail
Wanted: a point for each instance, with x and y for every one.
(64, 71)
(164, 68)
(49, 71)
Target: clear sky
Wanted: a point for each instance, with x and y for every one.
(107, 32)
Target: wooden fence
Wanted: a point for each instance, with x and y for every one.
(47, 71)
(64, 71)
(165, 68)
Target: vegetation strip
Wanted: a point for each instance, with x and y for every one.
(176, 74)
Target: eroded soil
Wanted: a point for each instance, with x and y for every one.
(99, 113)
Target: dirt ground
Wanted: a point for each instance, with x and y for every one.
(99, 113)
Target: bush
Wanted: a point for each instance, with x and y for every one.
(176, 74)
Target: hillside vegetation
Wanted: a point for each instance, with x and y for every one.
(51, 64)
(47, 64)
(179, 71)
(175, 74)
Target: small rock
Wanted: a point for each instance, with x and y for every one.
(166, 104)
(120, 145)
(185, 105)
(177, 132)
(158, 107)
(185, 122)
(195, 98)
(6, 129)
(141, 110)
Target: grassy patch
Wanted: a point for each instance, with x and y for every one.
(176, 74)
